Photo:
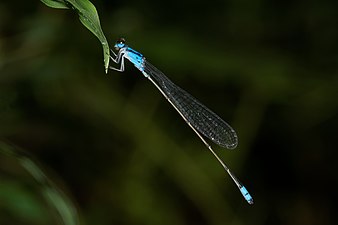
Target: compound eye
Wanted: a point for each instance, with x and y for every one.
(120, 43)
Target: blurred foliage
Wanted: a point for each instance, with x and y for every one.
(17, 200)
(269, 68)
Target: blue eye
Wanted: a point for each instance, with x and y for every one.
(120, 43)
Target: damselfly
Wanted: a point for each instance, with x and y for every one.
(200, 119)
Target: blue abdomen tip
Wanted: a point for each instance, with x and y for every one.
(246, 195)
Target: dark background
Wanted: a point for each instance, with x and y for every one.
(122, 153)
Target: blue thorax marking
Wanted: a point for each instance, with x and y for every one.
(135, 58)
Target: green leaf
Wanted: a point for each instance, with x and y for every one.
(59, 4)
(88, 17)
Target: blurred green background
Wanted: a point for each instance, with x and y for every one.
(121, 152)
